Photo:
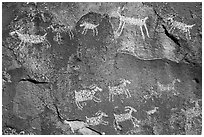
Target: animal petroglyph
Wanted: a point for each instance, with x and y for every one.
(97, 119)
(124, 117)
(180, 26)
(168, 87)
(30, 39)
(132, 21)
(118, 90)
(90, 26)
(85, 95)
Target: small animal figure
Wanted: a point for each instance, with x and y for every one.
(90, 26)
(168, 87)
(124, 117)
(120, 89)
(184, 28)
(152, 111)
(59, 29)
(85, 95)
(93, 121)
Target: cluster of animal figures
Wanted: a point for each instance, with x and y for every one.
(89, 94)
(37, 39)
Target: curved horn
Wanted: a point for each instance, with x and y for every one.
(99, 112)
(128, 107)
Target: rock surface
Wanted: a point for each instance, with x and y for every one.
(62, 77)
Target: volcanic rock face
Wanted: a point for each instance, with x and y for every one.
(102, 68)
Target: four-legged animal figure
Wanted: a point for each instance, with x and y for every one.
(30, 39)
(180, 26)
(132, 21)
(60, 29)
(90, 26)
(168, 87)
(85, 95)
(93, 121)
(124, 117)
(120, 89)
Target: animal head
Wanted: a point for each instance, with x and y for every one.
(116, 13)
(125, 82)
(95, 88)
(83, 24)
(15, 33)
(170, 19)
(190, 26)
(98, 89)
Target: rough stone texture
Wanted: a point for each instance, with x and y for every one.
(39, 80)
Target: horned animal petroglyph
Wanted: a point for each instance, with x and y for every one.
(124, 117)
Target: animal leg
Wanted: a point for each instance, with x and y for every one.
(71, 35)
(118, 126)
(83, 31)
(19, 46)
(110, 97)
(114, 124)
(122, 28)
(171, 28)
(22, 45)
(188, 34)
(79, 105)
(142, 32)
(48, 43)
(127, 93)
(72, 129)
(96, 99)
(146, 30)
(93, 31)
(120, 24)
(96, 31)
(134, 121)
